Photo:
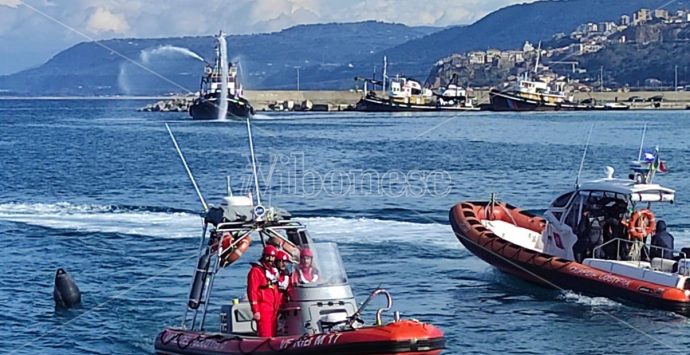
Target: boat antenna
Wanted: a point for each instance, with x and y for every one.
(536, 65)
(186, 168)
(385, 73)
(253, 161)
(229, 186)
(584, 155)
(644, 132)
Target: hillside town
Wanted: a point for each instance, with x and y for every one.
(563, 55)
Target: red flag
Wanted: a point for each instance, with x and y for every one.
(662, 167)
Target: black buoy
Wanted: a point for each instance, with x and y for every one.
(66, 293)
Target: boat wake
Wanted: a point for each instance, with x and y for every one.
(569, 296)
(152, 222)
(103, 219)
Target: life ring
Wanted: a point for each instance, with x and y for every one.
(285, 245)
(642, 223)
(228, 254)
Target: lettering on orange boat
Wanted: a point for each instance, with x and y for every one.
(314, 340)
(601, 276)
(615, 280)
(582, 272)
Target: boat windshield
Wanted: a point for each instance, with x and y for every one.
(329, 265)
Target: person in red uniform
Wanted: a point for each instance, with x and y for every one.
(261, 291)
(284, 285)
(282, 259)
(305, 273)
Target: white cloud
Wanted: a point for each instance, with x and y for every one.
(10, 3)
(22, 26)
(102, 20)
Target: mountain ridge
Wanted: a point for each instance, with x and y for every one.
(329, 56)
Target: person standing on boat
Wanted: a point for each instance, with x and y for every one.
(663, 241)
(284, 286)
(282, 259)
(305, 273)
(582, 232)
(261, 291)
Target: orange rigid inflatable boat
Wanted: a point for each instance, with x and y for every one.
(402, 337)
(316, 316)
(548, 250)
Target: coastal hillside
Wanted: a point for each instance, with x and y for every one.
(503, 29)
(89, 68)
(642, 50)
(326, 56)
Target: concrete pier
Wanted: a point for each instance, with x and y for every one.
(290, 100)
(334, 100)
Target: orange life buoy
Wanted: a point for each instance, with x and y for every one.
(228, 253)
(642, 223)
(285, 245)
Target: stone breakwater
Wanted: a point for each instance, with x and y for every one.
(175, 104)
(272, 100)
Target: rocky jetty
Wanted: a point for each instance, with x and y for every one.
(175, 104)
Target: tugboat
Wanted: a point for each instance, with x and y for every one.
(217, 87)
(408, 95)
(532, 94)
(590, 240)
(321, 317)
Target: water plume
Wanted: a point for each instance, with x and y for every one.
(223, 55)
(167, 50)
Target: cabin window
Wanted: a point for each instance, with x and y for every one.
(573, 216)
(562, 200)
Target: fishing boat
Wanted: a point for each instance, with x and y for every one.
(219, 84)
(403, 94)
(530, 95)
(321, 317)
(590, 240)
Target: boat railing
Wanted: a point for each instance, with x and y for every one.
(637, 252)
(379, 312)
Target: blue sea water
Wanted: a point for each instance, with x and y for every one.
(97, 188)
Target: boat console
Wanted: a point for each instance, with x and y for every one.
(314, 308)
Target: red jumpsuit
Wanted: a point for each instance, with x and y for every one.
(261, 291)
(284, 285)
(282, 292)
(305, 275)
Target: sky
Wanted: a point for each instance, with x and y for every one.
(32, 31)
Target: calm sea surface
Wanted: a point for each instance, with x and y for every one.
(97, 188)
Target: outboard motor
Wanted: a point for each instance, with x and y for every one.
(199, 282)
(65, 293)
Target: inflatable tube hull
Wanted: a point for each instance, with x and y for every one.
(403, 337)
(549, 271)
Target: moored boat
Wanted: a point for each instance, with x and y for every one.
(590, 240)
(404, 94)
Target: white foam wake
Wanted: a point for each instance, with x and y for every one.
(109, 219)
(102, 219)
(570, 296)
(367, 230)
